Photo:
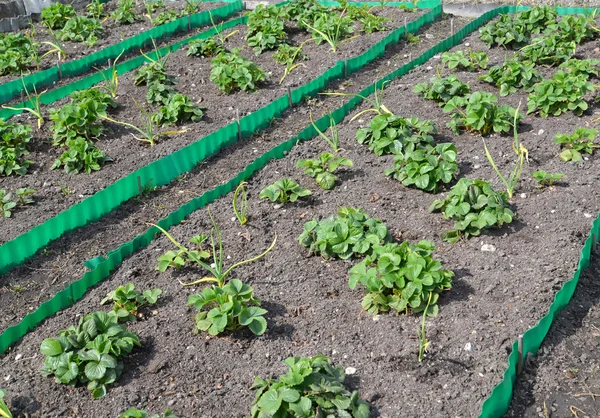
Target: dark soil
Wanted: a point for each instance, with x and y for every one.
(128, 154)
(564, 379)
(495, 297)
(113, 33)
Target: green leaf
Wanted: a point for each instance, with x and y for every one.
(51, 347)
(270, 402)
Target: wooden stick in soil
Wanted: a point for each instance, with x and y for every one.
(59, 69)
(139, 179)
(452, 26)
(405, 25)
(237, 117)
(289, 93)
(345, 68)
(520, 354)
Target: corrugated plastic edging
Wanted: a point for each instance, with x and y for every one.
(51, 75)
(163, 171)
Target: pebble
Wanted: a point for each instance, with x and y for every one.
(468, 347)
(476, 166)
(488, 248)
(429, 68)
(429, 36)
(541, 131)
(523, 195)
(467, 44)
(376, 318)
(18, 357)
(276, 206)
(350, 370)
(587, 215)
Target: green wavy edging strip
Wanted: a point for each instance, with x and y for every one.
(51, 75)
(165, 170)
(498, 402)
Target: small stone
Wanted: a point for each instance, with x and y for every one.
(18, 357)
(476, 166)
(488, 248)
(276, 206)
(429, 68)
(171, 402)
(350, 370)
(376, 318)
(552, 211)
(468, 347)
(541, 131)
(233, 219)
(523, 195)
(429, 36)
(587, 215)
(467, 44)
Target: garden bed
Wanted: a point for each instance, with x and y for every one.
(501, 287)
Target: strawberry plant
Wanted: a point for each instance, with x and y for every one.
(81, 156)
(177, 109)
(13, 148)
(545, 179)
(208, 47)
(322, 169)
(265, 28)
(136, 413)
(574, 28)
(228, 308)
(95, 10)
(283, 191)
(575, 67)
(513, 75)
(230, 71)
(24, 196)
(442, 89)
(389, 134)
(163, 17)
(369, 22)
(401, 277)
(95, 95)
(159, 93)
(312, 387)
(4, 411)
(127, 301)
(469, 61)
(154, 5)
(351, 233)
(125, 13)
(559, 94)
(57, 15)
(90, 353)
(79, 119)
(17, 53)
(425, 168)
(581, 141)
(81, 29)
(474, 206)
(288, 55)
(548, 50)
(506, 32)
(333, 28)
(152, 72)
(303, 11)
(177, 259)
(479, 112)
(6, 203)
(537, 19)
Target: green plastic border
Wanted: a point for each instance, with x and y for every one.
(163, 171)
(14, 88)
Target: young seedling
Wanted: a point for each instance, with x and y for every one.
(4, 411)
(217, 270)
(522, 156)
(442, 90)
(55, 48)
(322, 169)
(283, 191)
(36, 105)
(240, 210)
(469, 61)
(95, 10)
(334, 140)
(332, 28)
(546, 179)
(147, 129)
(219, 30)
(377, 105)
(136, 413)
(423, 342)
(111, 84)
(24, 196)
(192, 6)
(6, 203)
(412, 39)
(153, 71)
(177, 259)
(208, 47)
(125, 13)
(288, 55)
(127, 301)
(581, 141)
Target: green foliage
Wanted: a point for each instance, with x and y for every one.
(442, 89)
(192, 6)
(312, 387)
(95, 10)
(331, 27)
(575, 67)
(549, 49)
(177, 109)
(13, 148)
(559, 94)
(136, 413)
(164, 17)
(177, 259)
(24, 196)
(240, 210)
(581, 141)
(389, 134)
(230, 71)
(283, 191)
(265, 28)
(57, 15)
(412, 39)
(231, 307)
(79, 119)
(4, 411)
(153, 72)
(159, 93)
(546, 179)
(6, 203)
(81, 156)
(17, 52)
(303, 11)
(125, 13)
(513, 75)
(208, 47)
(93, 94)
(401, 277)
(469, 61)
(287, 54)
(127, 301)
(90, 353)
(506, 31)
(479, 112)
(154, 5)
(369, 22)
(81, 29)
(351, 233)
(323, 169)
(536, 19)
(474, 206)
(425, 168)
(574, 28)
